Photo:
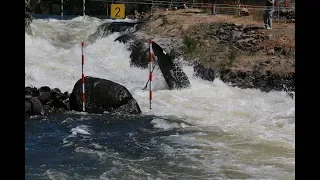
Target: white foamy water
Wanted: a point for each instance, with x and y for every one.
(82, 129)
(258, 128)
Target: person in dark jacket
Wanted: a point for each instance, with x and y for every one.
(268, 14)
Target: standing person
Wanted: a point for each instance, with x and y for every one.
(268, 14)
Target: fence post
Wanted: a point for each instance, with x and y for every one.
(84, 8)
(62, 9)
(239, 10)
(278, 10)
(108, 9)
(214, 9)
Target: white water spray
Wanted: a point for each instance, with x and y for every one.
(53, 58)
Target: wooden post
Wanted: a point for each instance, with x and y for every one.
(239, 9)
(214, 9)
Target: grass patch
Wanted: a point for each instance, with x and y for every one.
(257, 16)
(189, 43)
(165, 20)
(232, 56)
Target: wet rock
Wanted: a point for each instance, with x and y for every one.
(37, 106)
(204, 73)
(236, 35)
(58, 99)
(103, 95)
(139, 54)
(27, 18)
(28, 91)
(44, 101)
(66, 95)
(264, 80)
(27, 107)
(120, 26)
(125, 38)
(44, 94)
(56, 94)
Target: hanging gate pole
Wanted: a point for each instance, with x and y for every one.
(150, 73)
(83, 90)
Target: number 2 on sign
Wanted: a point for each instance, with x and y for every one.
(117, 11)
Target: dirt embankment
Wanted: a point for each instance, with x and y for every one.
(237, 49)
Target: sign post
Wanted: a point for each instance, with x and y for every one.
(117, 11)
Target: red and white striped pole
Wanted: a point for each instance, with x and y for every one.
(83, 95)
(150, 72)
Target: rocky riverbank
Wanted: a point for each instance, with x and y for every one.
(101, 96)
(238, 50)
(44, 100)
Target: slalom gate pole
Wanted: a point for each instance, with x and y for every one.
(145, 87)
(83, 90)
(150, 72)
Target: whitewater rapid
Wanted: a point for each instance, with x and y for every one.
(258, 122)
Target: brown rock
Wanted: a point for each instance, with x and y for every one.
(269, 37)
(285, 51)
(271, 52)
(244, 12)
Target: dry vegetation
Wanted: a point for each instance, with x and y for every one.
(172, 23)
(192, 23)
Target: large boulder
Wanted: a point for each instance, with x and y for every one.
(37, 106)
(139, 56)
(203, 72)
(108, 28)
(103, 95)
(170, 68)
(121, 26)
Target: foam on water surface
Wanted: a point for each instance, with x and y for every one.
(251, 125)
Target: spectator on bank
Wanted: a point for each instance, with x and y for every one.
(268, 14)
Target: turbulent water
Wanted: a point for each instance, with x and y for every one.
(209, 131)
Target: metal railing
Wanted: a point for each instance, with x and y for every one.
(226, 8)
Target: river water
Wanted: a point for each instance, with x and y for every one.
(209, 131)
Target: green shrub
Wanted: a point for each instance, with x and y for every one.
(190, 43)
